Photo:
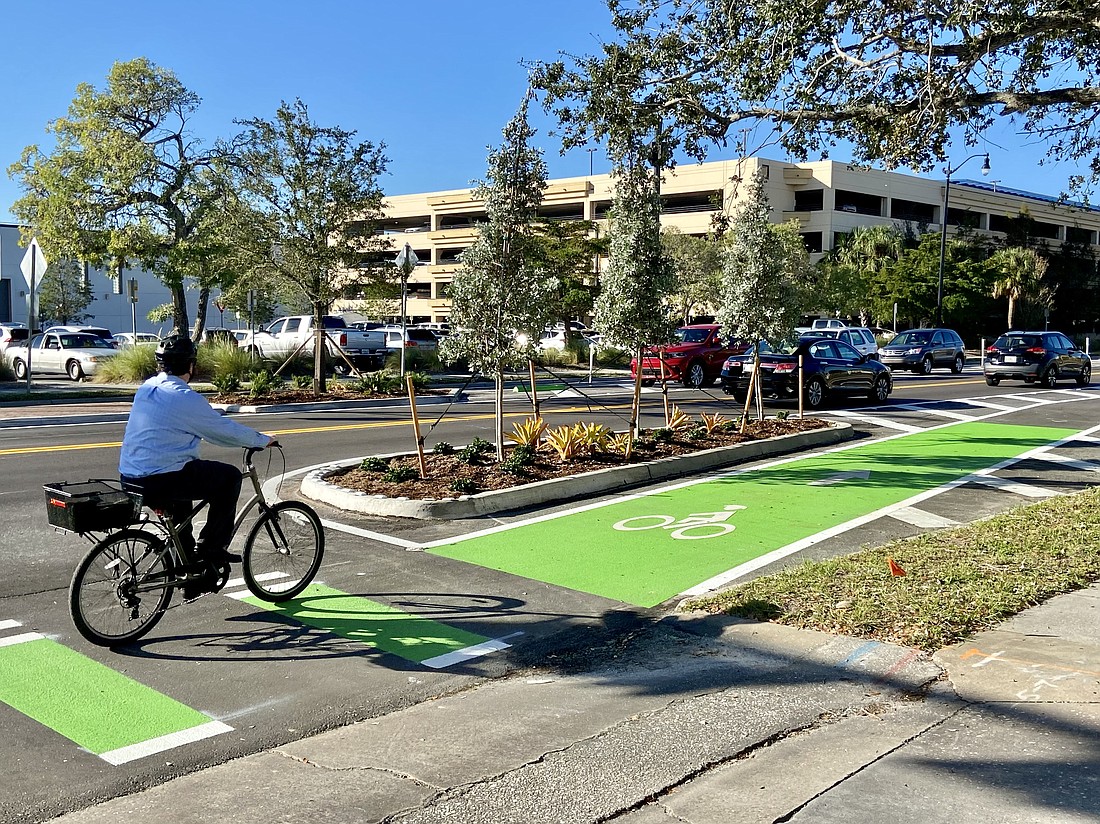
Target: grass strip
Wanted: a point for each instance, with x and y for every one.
(958, 581)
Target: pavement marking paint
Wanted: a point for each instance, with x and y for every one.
(95, 707)
(633, 555)
(7, 623)
(408, 636)
(921, 518)
(1073, 463)
(1026, 490)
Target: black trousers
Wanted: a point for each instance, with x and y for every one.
(175, 493)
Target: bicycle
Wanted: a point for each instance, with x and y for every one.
(122, 587)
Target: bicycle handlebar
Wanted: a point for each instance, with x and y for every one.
(249, 451)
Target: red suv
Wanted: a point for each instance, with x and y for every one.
(695, 356)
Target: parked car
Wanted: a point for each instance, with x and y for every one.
(859, 338)
(920, 350)
(76, 354)
(830, 367)
(420, 339)
(441, 330)
(694, 357)
(216, 334)
(123, 339)
(98, 331)
(1046, 357)
(11, 332)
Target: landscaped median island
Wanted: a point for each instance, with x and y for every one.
(956, 581)
(555, 464)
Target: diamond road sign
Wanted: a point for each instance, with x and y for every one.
(33, 258)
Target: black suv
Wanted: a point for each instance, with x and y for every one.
(922, 349)
(1046, 357)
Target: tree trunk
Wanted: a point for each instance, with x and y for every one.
(179, 310)
(1011, 310)
(200, 312)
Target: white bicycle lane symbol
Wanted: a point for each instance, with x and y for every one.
(693, 527)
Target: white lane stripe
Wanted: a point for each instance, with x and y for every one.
(1085, 439)
(741, 570)
(7, 623)
(931, 410)
(883, 422)
(986, 404)
(266, 576)
(1032, 399)
(1027, 490)
(393, 540)
(1065, 391)
(466, 653)
(12, 640)
(922, 518)
(1073, 463)
(165, 742)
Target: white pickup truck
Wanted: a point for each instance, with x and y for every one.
(365, 349)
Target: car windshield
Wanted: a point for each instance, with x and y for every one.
(825, 333)
(420, 335)
(1017, 342)
(685, 335)
(83, 342)
(912, 338)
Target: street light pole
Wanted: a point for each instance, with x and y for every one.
(406, 261)
(943, 226)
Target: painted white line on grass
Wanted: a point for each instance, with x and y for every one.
(1026, 490)
(23, 637)
(922, 518)
(165, 742)
(458, 656)
(7, 623)
(748, 567)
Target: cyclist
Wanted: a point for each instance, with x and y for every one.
(160, 455)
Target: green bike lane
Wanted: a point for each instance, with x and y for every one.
(635, 549)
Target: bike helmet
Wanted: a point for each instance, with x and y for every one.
(175, 354)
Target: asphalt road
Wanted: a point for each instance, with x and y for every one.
(272, 678)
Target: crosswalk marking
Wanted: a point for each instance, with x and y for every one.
(1073, 463)
(922, 518)
(1006, 485)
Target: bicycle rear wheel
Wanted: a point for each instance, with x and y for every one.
(107, 599)
(283, 551)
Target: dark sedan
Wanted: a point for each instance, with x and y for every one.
(831, 367)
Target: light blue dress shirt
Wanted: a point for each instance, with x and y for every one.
(167, 423)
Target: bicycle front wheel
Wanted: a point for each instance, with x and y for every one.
(283, 551)
(121, 588)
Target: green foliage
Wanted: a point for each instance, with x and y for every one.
(301, 381)
(378, 383)
(263, 382)
(782, 414)
(225, 360)
(528, 433)
(374, 464)
(1020, 275)
(566, 441)
(132, 364)
(698, 269)
(416, 360)
(482, 446)
(464, 486)
(63, 294)
(226, 382)
(443, 448)
(399, 473)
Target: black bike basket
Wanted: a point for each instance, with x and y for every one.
(90, 506)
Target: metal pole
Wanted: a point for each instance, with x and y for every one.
(405, 269)
(30, 318)
(943, 247)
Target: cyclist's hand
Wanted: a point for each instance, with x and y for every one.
(272, 443)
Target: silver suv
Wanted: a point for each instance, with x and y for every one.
(922, 349)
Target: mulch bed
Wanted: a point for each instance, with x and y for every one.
(486, 474)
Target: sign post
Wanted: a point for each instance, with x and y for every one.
(406, 260)
(33, 266)
(133, 306)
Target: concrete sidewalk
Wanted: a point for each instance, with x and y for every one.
(704, 719)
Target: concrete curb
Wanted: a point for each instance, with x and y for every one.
(316, 486)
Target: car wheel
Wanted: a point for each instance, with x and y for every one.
(695, 375)
(993, 381)
(926, 365)
(740, 395)
(880, 391)
(815, 393)
(74, 370)
(341, 369)
(1086, 375)
(20, 369)
(1050, 378)
(957, 366)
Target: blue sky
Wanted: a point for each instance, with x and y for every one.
(435, 81)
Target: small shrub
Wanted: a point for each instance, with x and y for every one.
(223, 359)
(421, 380)
(679, 420)
(612, 356)
(263, 383)
(482, 446)
(399, 473)
(556, 357)
(415, 361)
(443, 448)
(6, 373)
(567, 441)
(518, 460)
(469, 455)
(378, 383)
(464, 486)
(663, 435)
(782, 414)
(302, 381)
(134, 364)
(712, 421)
(374, 464)
(619, 443)
(226, 383)
(528, 433)
(593, 436)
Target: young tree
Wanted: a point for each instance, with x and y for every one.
(1020, 274)
(891, 77)
(698, 271)
(126, 180)
(64, 294)
(568, 251)
(500, 290)
(308, 201)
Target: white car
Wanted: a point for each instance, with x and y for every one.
(859, 337)
(76, 354)
(139, 339)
